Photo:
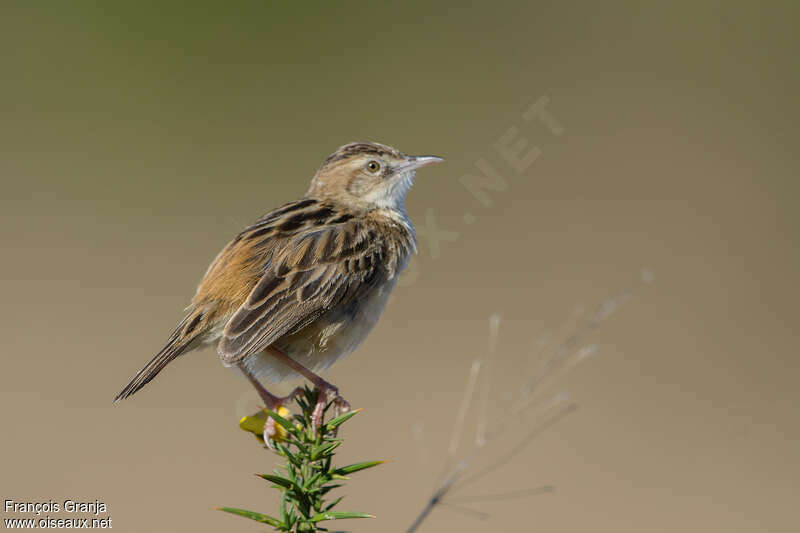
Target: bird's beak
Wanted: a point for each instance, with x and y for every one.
(414, 162)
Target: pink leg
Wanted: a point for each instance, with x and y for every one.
(271, 401)
(325, 391)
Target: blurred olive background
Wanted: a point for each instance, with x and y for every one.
(137, 138)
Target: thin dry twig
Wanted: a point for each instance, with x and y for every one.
(558, 360)
(483, 413)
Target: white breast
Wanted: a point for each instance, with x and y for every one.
(327, 339)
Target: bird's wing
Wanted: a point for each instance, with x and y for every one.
(312, 269)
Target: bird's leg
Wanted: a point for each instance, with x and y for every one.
(326, 391)
(271, 401)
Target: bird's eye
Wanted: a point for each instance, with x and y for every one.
(373, 166)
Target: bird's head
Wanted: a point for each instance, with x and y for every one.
(368, 175)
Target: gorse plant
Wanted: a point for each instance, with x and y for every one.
(307, 476)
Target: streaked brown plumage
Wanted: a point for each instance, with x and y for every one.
(305, 283)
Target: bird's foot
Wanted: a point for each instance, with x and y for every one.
(325, 395)
(270, 429)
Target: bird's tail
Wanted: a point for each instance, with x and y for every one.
(181, 339)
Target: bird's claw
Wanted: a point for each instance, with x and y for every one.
(270, 430)
(324, 397)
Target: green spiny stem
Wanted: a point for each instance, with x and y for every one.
(307, 475)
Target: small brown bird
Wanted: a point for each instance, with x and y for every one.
(304, 285)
